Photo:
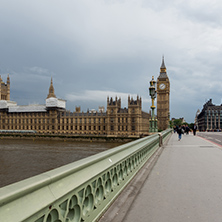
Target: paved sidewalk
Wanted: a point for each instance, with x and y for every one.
(184, 185)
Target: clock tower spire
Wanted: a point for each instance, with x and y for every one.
(163, 67)
(163, 98)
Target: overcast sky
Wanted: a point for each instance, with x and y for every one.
(98, 48)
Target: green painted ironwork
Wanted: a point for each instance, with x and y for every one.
(80, 191)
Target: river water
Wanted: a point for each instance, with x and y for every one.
(21, 159)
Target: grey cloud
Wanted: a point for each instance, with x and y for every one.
(100, 46)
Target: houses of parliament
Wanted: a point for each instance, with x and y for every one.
(53, 118)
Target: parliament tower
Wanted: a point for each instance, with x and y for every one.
(163, 98)
(5, 89)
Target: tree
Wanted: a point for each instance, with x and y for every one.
(177, 122)
(191, 125)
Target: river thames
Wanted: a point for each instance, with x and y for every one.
(21, 159)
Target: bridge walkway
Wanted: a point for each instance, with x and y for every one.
(185, 184)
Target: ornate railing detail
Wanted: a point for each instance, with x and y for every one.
(80, 191)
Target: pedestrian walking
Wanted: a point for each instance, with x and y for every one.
(179, 132)
(175, 129)
(187, 130)
(194, 129)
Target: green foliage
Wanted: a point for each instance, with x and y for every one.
(177, 122)
(191, 125)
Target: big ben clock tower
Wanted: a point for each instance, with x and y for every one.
(163, 98)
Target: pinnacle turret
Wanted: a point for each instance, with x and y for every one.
(51, 90)
(8, 79)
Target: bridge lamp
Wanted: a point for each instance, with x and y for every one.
(152, 88)
(152, 91)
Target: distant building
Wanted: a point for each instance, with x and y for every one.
(53, 118)
(210, 117)
(182, 119)
(196, 118)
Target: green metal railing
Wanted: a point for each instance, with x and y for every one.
(80, 191)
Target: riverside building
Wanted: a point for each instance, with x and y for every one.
(53, 118)
(210, 117)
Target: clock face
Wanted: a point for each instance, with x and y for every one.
(162, 86)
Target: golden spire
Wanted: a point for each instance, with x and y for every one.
(51, 90)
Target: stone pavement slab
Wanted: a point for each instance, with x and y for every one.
(184, 185)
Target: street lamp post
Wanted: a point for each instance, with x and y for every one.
(153, 120)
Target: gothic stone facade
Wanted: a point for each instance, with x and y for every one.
(210, 117)
(53, 118)
(5, 89)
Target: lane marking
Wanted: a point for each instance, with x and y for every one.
(218, 140)
(219, 145)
